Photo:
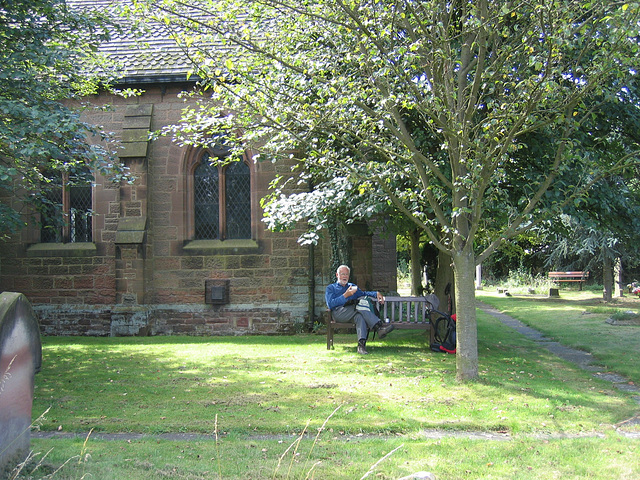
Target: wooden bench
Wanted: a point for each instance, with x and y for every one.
(403, 312)
(569, 277)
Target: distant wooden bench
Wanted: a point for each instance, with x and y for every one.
(569, 277)
(403, 312)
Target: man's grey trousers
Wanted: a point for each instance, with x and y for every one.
(364, 319)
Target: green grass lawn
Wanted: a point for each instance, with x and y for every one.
(285, 407)
(578, 319)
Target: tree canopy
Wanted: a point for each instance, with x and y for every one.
(462, 115)
(48, 57)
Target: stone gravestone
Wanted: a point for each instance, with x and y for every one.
(20, 359)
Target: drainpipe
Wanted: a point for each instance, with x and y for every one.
(312, 287)
(312, 278)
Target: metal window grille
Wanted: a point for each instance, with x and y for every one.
(206, 200)
(238, 200)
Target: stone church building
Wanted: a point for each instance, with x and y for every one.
(182, 249)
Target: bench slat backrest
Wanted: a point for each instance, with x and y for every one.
(406, 309)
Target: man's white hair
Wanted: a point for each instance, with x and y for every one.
(343, 266)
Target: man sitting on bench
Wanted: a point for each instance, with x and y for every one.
(342, 298)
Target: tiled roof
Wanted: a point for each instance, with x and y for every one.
(151, 56)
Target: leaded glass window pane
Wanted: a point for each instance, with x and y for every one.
(238, 200)
(73, 212)
(51, 213)
(80, 218)
(206, 200)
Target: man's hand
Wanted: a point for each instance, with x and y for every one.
(380, 297)
(350, 291)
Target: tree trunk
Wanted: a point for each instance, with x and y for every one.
(416, 268)
(607, 279)
(444, 277)
(340, 247)
(466, 325)
(618, 288)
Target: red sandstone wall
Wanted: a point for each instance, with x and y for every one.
(97, 292)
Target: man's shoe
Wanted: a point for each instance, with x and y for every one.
(385, 330)
(361, 347)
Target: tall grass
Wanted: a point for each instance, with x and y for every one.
(521, 281)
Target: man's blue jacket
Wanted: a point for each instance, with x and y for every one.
(334, 295)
